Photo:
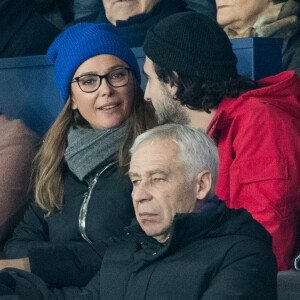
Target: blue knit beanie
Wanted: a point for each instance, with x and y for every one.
(81, 42)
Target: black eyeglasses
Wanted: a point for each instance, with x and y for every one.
(89, 83)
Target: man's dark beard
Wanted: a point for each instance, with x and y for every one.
(170, 110)
(171, 115)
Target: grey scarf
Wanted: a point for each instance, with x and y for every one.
(87, 148)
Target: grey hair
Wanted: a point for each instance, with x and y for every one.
(198, 151)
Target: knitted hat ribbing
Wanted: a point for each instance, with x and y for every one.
(81, 42)
(191, 44)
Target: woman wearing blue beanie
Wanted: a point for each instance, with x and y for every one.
(81, 196)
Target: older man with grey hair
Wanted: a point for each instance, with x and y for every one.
(185, 243)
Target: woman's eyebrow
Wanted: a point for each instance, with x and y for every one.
(114, 67)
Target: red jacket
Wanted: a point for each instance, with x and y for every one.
(258, 138)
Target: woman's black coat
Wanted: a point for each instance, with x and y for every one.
(56, 248)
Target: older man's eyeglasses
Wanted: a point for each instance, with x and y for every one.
(89, 83)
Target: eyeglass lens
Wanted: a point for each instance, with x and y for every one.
(91, 82)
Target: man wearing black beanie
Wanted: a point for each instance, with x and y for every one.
(193, 80)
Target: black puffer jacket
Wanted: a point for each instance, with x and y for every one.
(23, 31)
(61, 251)
(219, 253)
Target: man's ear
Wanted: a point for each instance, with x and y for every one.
(204, 182)
(174, 88)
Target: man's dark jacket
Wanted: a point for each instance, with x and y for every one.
(135, 28)
(23, 31)
(219, 253)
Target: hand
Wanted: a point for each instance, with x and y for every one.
(19, 263)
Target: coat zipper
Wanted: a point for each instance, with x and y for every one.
(86, 200)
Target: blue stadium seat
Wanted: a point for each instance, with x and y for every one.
(28, 91)
(258, 57)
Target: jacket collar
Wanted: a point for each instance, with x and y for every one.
(214, 220)
(186, 227)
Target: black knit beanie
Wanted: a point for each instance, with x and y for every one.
(191, 44)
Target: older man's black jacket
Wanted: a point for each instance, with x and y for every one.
(219, 253)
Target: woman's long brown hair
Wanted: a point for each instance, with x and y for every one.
(49, 162)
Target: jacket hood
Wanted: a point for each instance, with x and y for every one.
(281, 90)
(217, 221)
(214, 220)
